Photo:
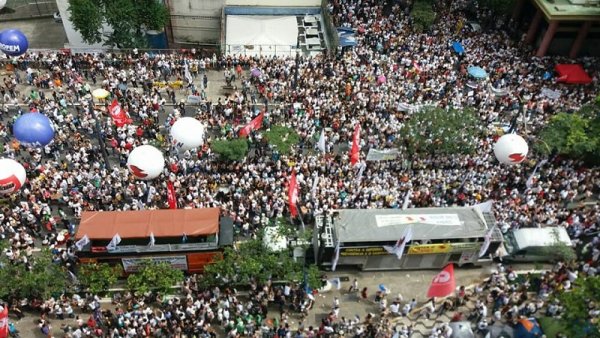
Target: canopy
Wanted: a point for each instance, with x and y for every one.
(348, 41)
(100, 93)
(458, 48)
(139, 224)
(477, 72)
(572, 73)
(527, 328)
(499, 330)
(461, 330)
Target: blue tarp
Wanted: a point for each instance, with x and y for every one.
(527, 328)
(348, 41)
(477, 72)
(458, 48)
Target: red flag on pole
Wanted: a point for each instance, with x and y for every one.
(443, 283)
(255, 124)
(355, 152)
(171, 197)
(118, 114)
(293, 194)
(4, 322)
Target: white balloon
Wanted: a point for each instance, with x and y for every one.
(2, 3)
(187, 133)
(511, 149)
(145, 162)
(12, 176)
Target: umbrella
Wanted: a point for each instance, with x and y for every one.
(256, 72)
(477, 72)
(458, 48)
(100, 93)
(122, 86)
(381, 79)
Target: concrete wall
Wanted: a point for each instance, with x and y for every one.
(278, 3)
(74, 38)
(194, 21)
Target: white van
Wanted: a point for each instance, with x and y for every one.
(533, 244)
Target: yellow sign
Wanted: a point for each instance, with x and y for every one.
(429, 249)
(369, 251)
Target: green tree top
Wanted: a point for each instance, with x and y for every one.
(153, 276)
(585, 292)
(283, 139)
(126, 18)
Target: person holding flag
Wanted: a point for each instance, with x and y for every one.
(255, 124)
(293, 194)
(355, 149)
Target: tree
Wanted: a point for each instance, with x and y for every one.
(43, 279)
(575, 135)
(282, 138)
(231, 150)
(152, 276)
(436, 131)
(584, 291)
(498, 6)
(99, 277)
(423, 15)
(128, 19)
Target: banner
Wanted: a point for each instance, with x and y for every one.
(293, 194)
(439, 219)
(398, 249)
(3, 322)
(133, 264)
(171, 197)
(425, 249)
(443, 283)
(336, 256)
(383, 155)
(255, 124)
(118, 114)
(355, 150)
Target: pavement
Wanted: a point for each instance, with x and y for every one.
(41, 33)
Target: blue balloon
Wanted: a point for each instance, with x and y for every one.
(33, 130)
(13, 42)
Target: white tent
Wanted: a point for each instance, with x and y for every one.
(261, 35)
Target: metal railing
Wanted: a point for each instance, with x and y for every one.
(25, 9)
(261, 50)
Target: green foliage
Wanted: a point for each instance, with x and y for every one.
(127, 18)
(552, 326)
(433, 130)
(574, 135)
(252, 261)
(154, 276)
(291, 232)
(44, 279)
(423, 15)
(99, 277)
(498, 6)
(282, 138)
(231, 150)
(576, 301)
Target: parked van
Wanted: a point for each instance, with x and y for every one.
(535, 244)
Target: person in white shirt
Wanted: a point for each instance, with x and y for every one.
(395, 309)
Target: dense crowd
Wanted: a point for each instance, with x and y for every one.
(308, 94)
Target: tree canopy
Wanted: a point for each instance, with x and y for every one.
(282, 138)
(99, 277)
(423, 15)
(153, 276)
(231, 150)
(437, 131)
(584, 293)
(127, 20)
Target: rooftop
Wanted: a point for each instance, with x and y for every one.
(565, 10)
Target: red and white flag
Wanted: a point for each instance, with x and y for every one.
(293, 194)
(171, 197)
(3, 322)
(355, 150)
(416, 67)
(255, 124)
(398, 248)
(118, 114)
(443, 283)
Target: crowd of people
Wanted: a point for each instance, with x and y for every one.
(308, 94)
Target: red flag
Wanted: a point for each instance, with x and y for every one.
(118, 114)
(416, 67)
(255, 124)
(171, 197)
(293, 194)
(4, 323)
(443, 283)
(354, 152)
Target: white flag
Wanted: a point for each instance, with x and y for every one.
(152, 241)
(487, 239)
(187, 74)
(80, 244)
(321, 145)
(529, 182)
(398, 248)
(363, 165)
(407, 198)
(336, 256)
(114, 242)
(336, 282)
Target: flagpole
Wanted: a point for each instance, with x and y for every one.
(301, 217)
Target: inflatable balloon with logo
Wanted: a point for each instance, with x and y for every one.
(511, 149)
(187, 133)
(145, 162)
(12, 176)
(13, 42)
(33, 130)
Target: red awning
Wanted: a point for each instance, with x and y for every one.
(572, 73)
